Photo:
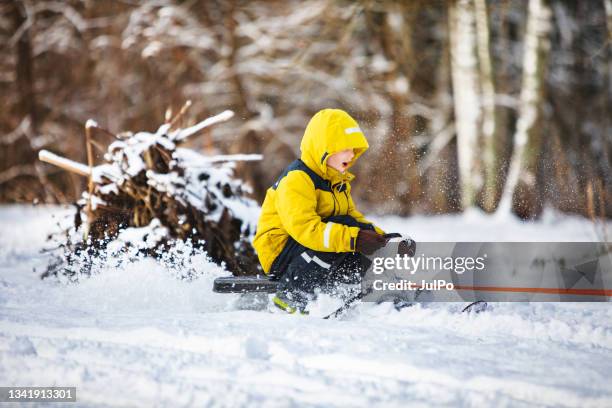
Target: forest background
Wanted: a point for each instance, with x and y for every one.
(503, 105)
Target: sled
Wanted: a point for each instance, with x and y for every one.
(261, 283)
(245, 284)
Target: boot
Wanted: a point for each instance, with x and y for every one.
(290, 302)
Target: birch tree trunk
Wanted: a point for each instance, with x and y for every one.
(608, 6)
(489, 122)
(607, 121)
(439, 164)
(464, 66)
(523, 164)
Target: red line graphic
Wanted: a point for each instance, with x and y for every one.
(551, 291)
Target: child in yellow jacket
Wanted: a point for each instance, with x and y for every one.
(309, 234)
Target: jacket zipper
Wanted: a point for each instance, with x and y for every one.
(334, 197)
(347, 202)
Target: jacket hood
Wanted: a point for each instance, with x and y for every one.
(328, 132)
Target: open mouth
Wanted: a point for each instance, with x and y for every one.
(344, 164)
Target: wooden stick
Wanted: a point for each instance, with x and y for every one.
(183, 134)
(105, 131)
(180, 114)
(90, 184)
(16, 171)
(97, 145)
(224, 158)
(93, 124)
(64, 163)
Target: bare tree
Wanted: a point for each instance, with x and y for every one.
(608, 6)
(437, 88)
(396, 150)
(489, 125)
(523, 164)
(464, 67)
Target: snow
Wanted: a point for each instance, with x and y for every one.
(108, 188)
(187, 132)
(95, 201)
(144, 237)
(109, 171)
(208, 182)
(135, 335)
(204, 161)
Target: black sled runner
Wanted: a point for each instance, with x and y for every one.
(262, 283)
(245, 284)
(268, 285)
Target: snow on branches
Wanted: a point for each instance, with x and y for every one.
(150, 193)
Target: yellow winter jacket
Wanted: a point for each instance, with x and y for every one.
(295, 204)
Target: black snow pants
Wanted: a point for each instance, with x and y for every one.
(301, 270)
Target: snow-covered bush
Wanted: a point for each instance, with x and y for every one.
(151, 197)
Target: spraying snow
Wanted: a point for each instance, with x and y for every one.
(138, 334)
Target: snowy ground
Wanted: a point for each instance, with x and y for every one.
(139, 337)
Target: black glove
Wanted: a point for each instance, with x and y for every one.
(369, 242)
(407, 247)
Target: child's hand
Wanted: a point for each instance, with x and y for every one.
(369, 242)
(407, 247)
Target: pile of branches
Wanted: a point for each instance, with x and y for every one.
(151, 192)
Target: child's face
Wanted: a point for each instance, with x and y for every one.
(341, 160)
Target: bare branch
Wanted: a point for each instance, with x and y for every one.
(17, 171)
(183, 134)
(64, 163)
